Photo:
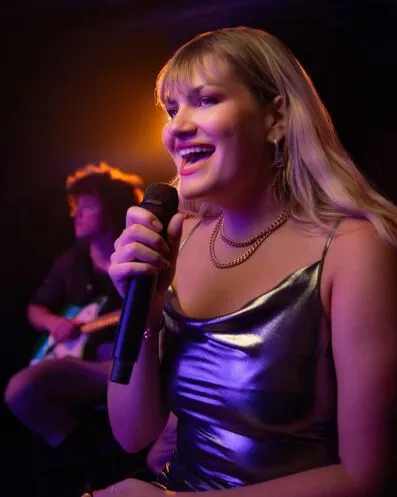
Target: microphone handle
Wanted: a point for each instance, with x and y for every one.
(131, 327)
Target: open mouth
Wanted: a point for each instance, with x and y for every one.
(192, 155)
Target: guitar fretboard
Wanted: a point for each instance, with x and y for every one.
(101, 322)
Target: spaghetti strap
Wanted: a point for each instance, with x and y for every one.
(185, 240)
(326, 247)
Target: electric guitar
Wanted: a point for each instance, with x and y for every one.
(49, 348)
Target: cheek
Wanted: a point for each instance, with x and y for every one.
(166, 137)
(229, 127)
(218, 125)
(251, 137)
(96, 217)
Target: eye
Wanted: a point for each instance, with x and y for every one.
(171, 111)
(207, 101)
(90, 207)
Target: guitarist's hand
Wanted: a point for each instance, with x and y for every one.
(63, 329)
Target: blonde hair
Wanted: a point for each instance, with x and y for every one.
(319, 182)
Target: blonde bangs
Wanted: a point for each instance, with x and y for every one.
(174, 77)
(178, 73)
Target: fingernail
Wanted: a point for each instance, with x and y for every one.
(157, 225)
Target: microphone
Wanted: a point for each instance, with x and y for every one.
(161, 200)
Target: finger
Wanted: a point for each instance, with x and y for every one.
(123, 271)
(136, 252)
(144, 235)
(58, 333)
(139, 215)
(106, 492)
(175, 231)
(100, 493)
(76, 325)
(176, 223)
(66, 328)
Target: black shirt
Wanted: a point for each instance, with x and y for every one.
(74, 281)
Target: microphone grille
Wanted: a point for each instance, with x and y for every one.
(162, 200)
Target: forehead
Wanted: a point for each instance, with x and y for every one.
(85, 198)
(186, 77)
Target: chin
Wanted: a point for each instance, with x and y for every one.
(81, 235)
(195, 190)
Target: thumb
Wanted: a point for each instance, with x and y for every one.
(174, 232)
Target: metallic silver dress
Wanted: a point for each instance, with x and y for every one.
(254, 390)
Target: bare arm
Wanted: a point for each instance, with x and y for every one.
(59, 327)
(40, 317)
(137, 412)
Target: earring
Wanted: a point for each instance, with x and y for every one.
(278, 156)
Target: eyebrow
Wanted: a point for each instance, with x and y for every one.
(192, 92)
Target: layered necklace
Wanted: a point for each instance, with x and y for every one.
(252, 243)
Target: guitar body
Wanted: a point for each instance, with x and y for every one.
(48, 348)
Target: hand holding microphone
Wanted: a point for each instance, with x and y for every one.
(142, 267)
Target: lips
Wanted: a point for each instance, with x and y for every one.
(190, 167)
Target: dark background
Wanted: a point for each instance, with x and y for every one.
(77, 80)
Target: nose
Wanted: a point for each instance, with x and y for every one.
(78, 212)
(183, 123)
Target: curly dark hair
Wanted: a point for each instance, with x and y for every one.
(117, 190)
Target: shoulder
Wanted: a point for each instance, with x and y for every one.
(76, 255)
(356, 229)
(357, 244)
(357, 257)
(363, 271)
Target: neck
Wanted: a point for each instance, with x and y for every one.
(101, 250)
(246, 219)
(248, 205)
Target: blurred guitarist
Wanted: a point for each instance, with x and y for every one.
(49, 396)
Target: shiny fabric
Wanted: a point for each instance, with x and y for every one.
(254, 390)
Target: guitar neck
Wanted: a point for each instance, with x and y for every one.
(101, 322)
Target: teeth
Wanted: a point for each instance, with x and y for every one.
(194, 150)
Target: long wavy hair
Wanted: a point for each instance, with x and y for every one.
(319, 182)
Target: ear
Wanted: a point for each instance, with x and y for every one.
(275, 119)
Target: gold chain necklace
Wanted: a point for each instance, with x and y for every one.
(246, 243)
(257, 240)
